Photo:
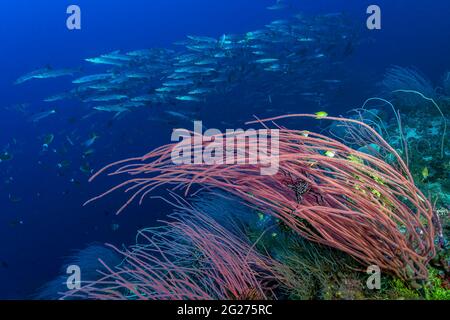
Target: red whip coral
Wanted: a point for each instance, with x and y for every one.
(325, 191)
(192, 257)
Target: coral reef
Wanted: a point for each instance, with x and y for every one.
(376, 193)
(418, 133)
(355, 202)
(197, 254)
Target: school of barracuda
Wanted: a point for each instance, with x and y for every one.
(295, 56)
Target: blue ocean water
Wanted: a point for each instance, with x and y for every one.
(41, 215)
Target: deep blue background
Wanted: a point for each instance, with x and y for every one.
(33, 34)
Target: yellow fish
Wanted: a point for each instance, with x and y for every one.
(260, 216)
(425, 173)
(330, 154)
(321, 114)
(355, 159)
(305, 134)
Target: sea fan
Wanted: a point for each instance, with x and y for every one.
(400, 78)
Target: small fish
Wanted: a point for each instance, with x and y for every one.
(118, 109)
(108, 98)
(30, 76)
(261, 216)
(116, 55)
(177, 115)
(274, 68)
(195, 69)
(321, 114)
(355, 159)
(200, 91)
(166, 89)
(140, 53)
(85, 168)
(278, 6)
(115, 227)
(220, 55)
(266, 61)
(63, 164)
(188, 98)
(143, 98)
(40, 116)
(57, 97)
(259, 53)
(75, 182)
(205, 62)
(203, 39)
(47, 140)
(219, 80)
(305, 39)
(46, 73)
(5, 156)
(376, 193)
(88, 152)
(106, 61)
(69, 141)
(92, 78)
(425, 173)
(332, 81)
(133, 104)
(102, 86)
(88, 143)
(330, 154)
(178, 83)
(318, 56)
(279, 22)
